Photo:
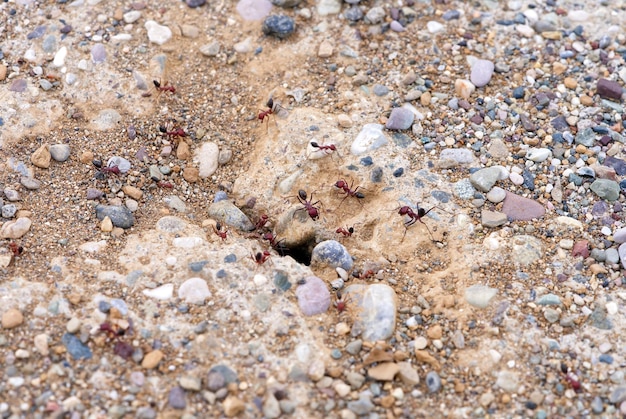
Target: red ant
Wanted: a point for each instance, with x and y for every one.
(15, 249)
(414, 217)
(324, 149)
(165, 184)
(260, 258)
(176, 132)
(308, 206)
(107, 170)
(165, 87)
(346, 233)
(363, 275)
(218, 230)
(343, 185)
(571, 378)
(262, 221)
(276, 245)
(340, 303)
(272, 109)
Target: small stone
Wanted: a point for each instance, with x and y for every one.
(384, 371)
(313, 296)
(207, 159)
(606, 189)
(98, 53)
(280, 26)
(479, 295)
(41, 344)
(16, 228)
(227, 213)
(519, 208)
(194, 291)
(493, 218)
(60, 152)
(152, 359)
(433, 382)
(157, 34)
(12, 318)
(332, 253)
(464, 88)
(371, 137)
(271, 408)
(400, 119)
(482, 71)
(485, 179)
(233, 406)
(176, 398)
(408, 374)
(120, 216)
(41, 157)
(253, 9)
(609, 89)
(73, 325)
(132, 16)
(210, 50)
(325, 49)
(76, 348)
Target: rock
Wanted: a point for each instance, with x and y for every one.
(408, 374)
(253, 9)
(479, 295)
(496, 195)
(313, 296)
(152, 359)
(280, 26)
(98, 53)
(106, 119)
(12, 318)
(484, 179)
(120, 162)
(606, 189)
(371, 137)
(16, 228)
(106, 225)
(194, 291)
(120, 216)
(609, 89)
(538, 154)
(76, 348)
(384, 371)
(325, 49)
(207, 159)
(183, 152)
(493, 218)
(375, 310)
(400, 119)
(433, 382)
(157, 34)
(508, 381)
(164, 292)
(482, 71)
(332, 253)
(233, 406)
(191, 174)
(464, 88)
(41, 157)
(176, 398)
(518, 208)
(227, 213)
(456, 155)
(60, 152)
(30, 183)
(271, 408)
(132, 192)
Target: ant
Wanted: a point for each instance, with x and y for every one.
(15, 248)
(308, 206)
(570, 377)
(346, 232)
(324, 150)
(276, 245)
(260, 258)
(218, 230)
(176, 132)
(340, 303)
(165, 184)
(343, 185)
(414, 217)
(363, 275)
(106, 170)
(272, 109)
(262, 221)
(164, 87)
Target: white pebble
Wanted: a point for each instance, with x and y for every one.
(611, 308)
(516, 178)
(259, 280)
(171, 260)
(194, 291)
(187, 242)
(164, 292)
(434, 27)
(157, 34)
(30, 55)
(420, 342)
(132, 16)
(59, 57)
(207, 158)
(538, 154)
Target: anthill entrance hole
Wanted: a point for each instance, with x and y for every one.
(301, 253)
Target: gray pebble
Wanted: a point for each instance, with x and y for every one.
(354, 347)
(175, 203)
(11, 194)
(146, 413)
(375, 15)
(119, 215)
(98, 53)
(332, 253)
(45, 84)
(8, 210)
(606, 189)
(362, 406)
(60, 152)
(176, 398)
(93, 193)
(155, 173)
(353, 13)
(75, 347)
(484, 179)
(120, 162)
(481, 73)
(355, 379)
(433, 382)
(313, 296)
(400, 119)
(457, 155)
(549, 300)
(30, 183)
(279, 26)
(612, 255)
(371, 137)
(49, 44)
(380, 90)
(227, 213)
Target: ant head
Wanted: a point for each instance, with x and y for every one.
(218, 226)
(421, 211)
(258, 256)
(341, 184)
(302, 194)
(351, 230)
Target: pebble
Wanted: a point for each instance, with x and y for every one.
(464, 88)
(313, 296)
(120, 215)
(207, 158)
(93, 193)
(396, 26)
(15, 229)
(400, 119)
(332, 253)
(75, 347)
(479, 295)
(538, 155)
(609, 89)
(376, 307)
(132, 16)
(30, 183)
(8, 210)
(606, 189)
(457, 155)
(152, 359)
(496, 195)
(176, 398)
(434, 27)
(164, 292)
(12, 318)
(60, 152)
(280, 26)
(384, 371)
(519, 208)
(507, 381)
(73, 325)
(106, 119)
(363, 405)
(98, 53)
(41, 344)
(485, 179)
(233, 406)
(18, 85)
(271, 408)
(194, 291)
(122, 164)
(41, 157)
(157, 34)
(492, 218)
(227, 213)
(433, 382)
(482, 71)
(370, 138)
(253, 10)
